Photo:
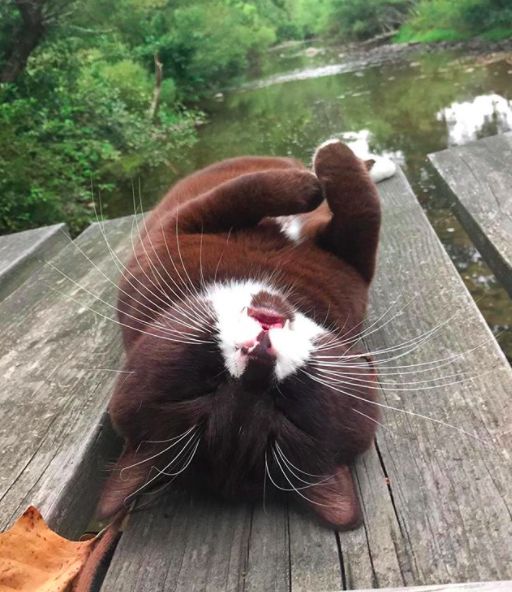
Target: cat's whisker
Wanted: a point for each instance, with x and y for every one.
(193, 293)
(375, 421)
(292, 469)
(122, 269)
(344, 379)
(175, 441)
(187, 464)
(201, 274)
(353, 370)
(416, 342)
(367, 332)
(161, 472)
(165, 299)
(186, 340)
(191, 289)
(115, 370)
(202, 314)
(392, 408)
(287, 489)
(198, 306)
(404, 368)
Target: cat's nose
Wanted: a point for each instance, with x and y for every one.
(260, 349)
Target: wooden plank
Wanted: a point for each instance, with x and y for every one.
(55, 360)
(194, 544)
(436, 503)
(478, 177)
(188, 545)
(21, 253)
(452, 493)
(372, 555)
(504, 586)
(314, 555)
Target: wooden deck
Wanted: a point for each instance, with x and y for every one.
(20, 254)
(437, 502)
(478, 177)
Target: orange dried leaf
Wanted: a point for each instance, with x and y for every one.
(33, 558)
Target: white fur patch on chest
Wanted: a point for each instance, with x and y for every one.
(291, 227)
(292, 344)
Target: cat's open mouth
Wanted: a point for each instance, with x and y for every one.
(267, 318)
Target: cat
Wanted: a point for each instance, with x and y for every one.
(247, 276)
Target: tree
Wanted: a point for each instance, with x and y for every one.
(34, 20)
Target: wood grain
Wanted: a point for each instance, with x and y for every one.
(478, 177)
(21, 254)
(452, 492)
(504, 586)
(183, 544)
(58, 361)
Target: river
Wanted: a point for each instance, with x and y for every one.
(405, 106)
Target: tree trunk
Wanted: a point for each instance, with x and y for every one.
(25, 39)
(155, 103)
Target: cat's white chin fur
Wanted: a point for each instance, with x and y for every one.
(383, 168)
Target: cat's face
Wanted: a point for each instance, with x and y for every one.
(229, 392)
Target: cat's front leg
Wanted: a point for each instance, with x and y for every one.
(243, 202)
(353, 232)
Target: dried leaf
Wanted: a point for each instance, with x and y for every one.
(33, 558)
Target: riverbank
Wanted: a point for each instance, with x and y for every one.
(304, 60)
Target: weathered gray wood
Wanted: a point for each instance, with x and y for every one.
(21, 253)
(452, 493)
(183, 545)
(371, 554)
(56, 358)
(504, 586)
(478, 177)
(436, 503)
(314, 555)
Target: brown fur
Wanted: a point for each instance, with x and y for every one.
(217, 225)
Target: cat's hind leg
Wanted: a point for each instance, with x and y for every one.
(353, 231)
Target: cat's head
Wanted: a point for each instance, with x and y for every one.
(236, 390)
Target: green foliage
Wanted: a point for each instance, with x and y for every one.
(360, 19)
(439, 20)
(78, 117)
(418, 20)
(210, 43)
(90, 130)
(306, 18)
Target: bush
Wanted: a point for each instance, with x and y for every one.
(437, 20)
(78, 116)
(92, 128)
(359, 19)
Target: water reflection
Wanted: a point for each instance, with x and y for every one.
(469, 120)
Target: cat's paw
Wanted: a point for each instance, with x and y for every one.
(307, 190)
(329, 156)
(381, 168)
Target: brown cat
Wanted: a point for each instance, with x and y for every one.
(248, 275)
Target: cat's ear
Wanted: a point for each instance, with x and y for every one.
(335, 501)
(127, 476)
